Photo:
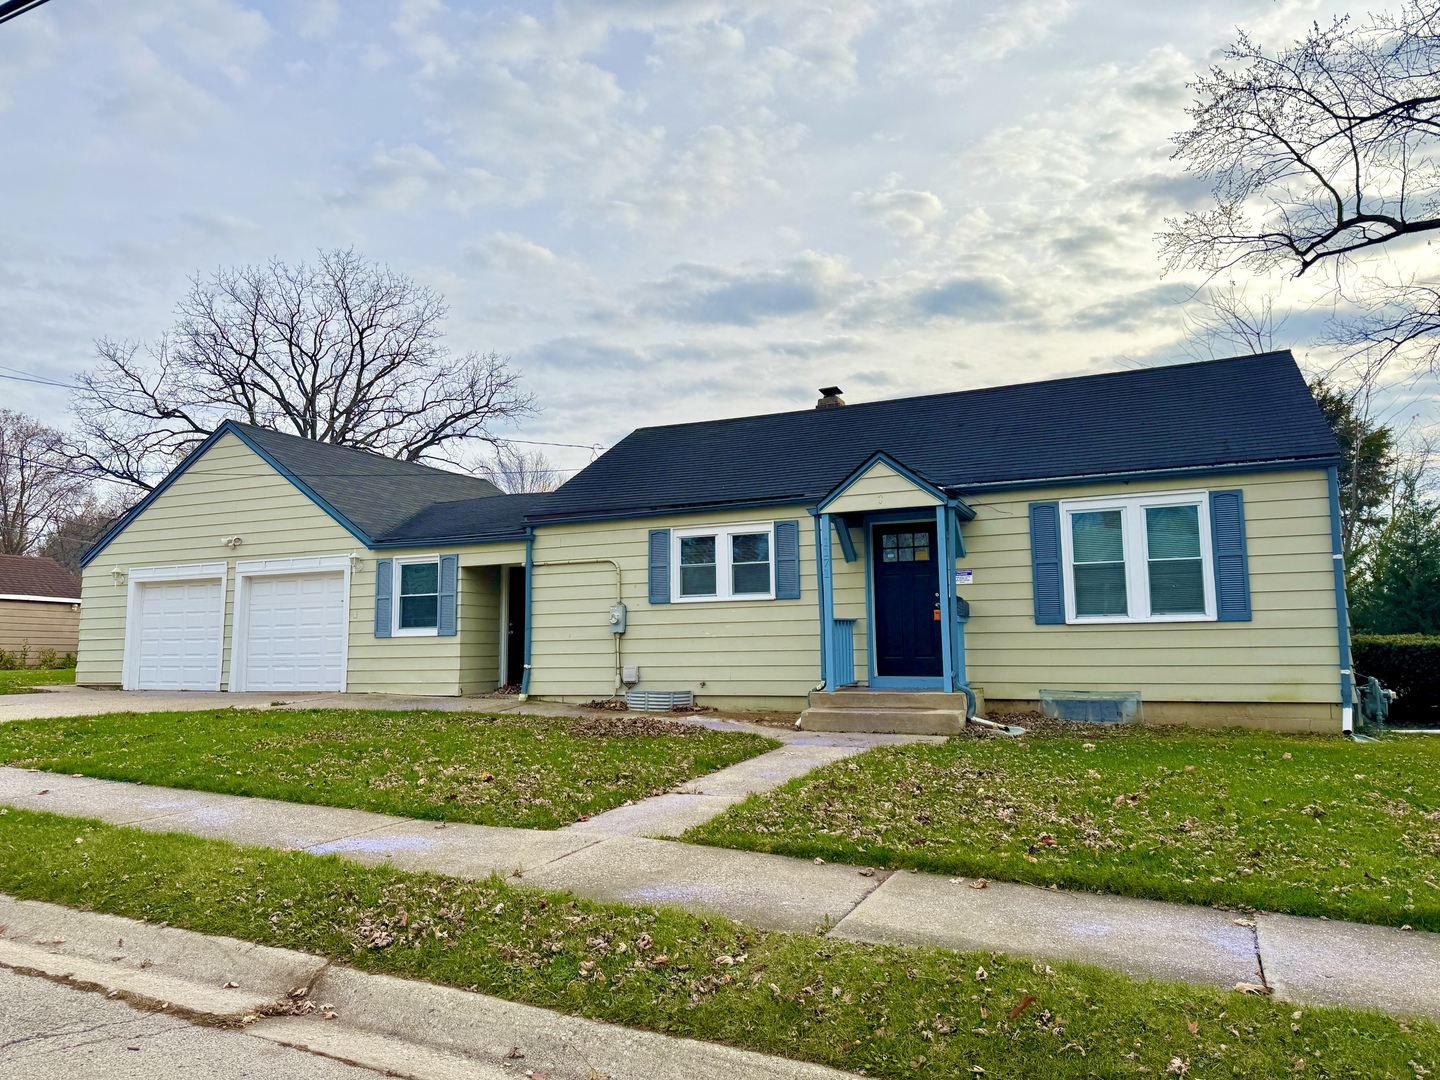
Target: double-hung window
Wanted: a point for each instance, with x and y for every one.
(1138, 558)
(731, 562)
(417, 607)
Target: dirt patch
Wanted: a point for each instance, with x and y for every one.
(631, 726)
(1044, 727)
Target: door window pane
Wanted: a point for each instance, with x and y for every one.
(750, 563)
(697, 566)
(419, 596)
(1177, 576)
(1098, 547)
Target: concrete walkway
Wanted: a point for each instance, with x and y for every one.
(1304, 960)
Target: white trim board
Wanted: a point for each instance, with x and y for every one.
(248, 569)
(40, 599)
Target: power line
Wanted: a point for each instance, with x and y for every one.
(10, 9)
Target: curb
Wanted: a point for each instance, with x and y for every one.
(395, 1026)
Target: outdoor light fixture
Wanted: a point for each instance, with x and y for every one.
(118, 576)
(232, 542)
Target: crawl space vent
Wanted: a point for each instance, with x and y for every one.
(1092, 706)
(660, 699)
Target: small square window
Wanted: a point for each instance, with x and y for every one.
(750, 563)
(697, 566)
(419, 607)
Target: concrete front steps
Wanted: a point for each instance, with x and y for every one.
(901, 712)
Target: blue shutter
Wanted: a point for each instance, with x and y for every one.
(384, 570)
(449, 585)
(1227, 549)
(787, 560)
(659, 566)
(1045, 563)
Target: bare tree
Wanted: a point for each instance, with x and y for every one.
(517, 472)
(1229, 324)
(40, 484)
(74, 533)
(345, 351)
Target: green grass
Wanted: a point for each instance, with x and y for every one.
(889, 1011)
(528, 771)
(21, 680)
(1302, 824)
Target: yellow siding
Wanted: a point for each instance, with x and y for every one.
(740, 650)
(880, 488)
(849, 579)
(1287, 653)
(33, 626)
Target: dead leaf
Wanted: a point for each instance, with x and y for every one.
(1194, 1027)
(1025, 1003)
(980, 883)
(46, 791)
(1047, 839)
(1252, 988)
(981, 974)
(866, 871)
(231, 985)
(1178, 1067)
(1031, 858)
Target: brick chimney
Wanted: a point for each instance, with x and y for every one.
(830, 398)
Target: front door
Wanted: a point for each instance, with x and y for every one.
(907, 602)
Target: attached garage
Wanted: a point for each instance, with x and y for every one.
(291, 624)
(175, 627)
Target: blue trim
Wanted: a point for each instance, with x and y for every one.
(895, 682)
(847, 542)
(529, 606)
(1088, 479)
(877, 458)
(580, 518)
(226, 427)
(947, 595)
(827, 608)
(444, 542)
(821, 588)
(1342, 609)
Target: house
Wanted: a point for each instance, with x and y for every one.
(39, 607)
(1170, 532)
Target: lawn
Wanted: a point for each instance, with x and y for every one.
(528, 771)
(22, 680)
(1303, 824)
(886, 1011)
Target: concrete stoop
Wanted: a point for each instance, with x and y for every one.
(901, 712)
(397, 1027)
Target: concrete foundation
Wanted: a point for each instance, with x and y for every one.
(1298, 717)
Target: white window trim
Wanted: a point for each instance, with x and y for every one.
(1137, 578)
(396, 630)
(723, 577)
(246, 571)
(141, 575)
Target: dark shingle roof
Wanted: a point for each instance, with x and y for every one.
(377, 494)
(1248, 409)
(32, 575)
(499, 517)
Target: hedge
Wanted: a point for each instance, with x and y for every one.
(1409, 664)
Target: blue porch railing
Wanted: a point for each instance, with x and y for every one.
(843, 650)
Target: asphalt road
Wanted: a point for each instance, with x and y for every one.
(51, 1032)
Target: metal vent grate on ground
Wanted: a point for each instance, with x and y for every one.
(1092, 706)
(660, 699)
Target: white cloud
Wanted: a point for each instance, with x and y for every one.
(903, 212)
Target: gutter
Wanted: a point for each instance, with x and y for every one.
(1342, 610)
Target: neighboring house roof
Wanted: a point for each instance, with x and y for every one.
(33, 575)
(1248, 410)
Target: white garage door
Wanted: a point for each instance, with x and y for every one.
(295, 632)
(177, 639)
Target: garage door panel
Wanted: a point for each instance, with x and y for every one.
(295, 632)
(179, 634)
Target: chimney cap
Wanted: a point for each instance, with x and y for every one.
(831, 391)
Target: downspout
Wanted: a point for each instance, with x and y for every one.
(529, 607)
(1342, 610)
(618, 599)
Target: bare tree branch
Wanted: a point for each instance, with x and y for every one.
(39, 484)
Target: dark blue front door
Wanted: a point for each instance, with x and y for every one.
(907, 602)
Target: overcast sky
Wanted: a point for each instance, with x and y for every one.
(659, 209)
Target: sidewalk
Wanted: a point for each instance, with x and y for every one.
(1311, 961)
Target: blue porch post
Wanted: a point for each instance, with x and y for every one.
(947, 594)
(827, 601)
